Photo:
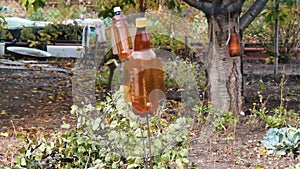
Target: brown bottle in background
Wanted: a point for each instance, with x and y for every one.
(119, 35)
(146, 74)
(234, 44)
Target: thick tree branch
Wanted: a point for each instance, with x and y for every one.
(252, 13)
(233, 7)
(216, 7)
(204, 6)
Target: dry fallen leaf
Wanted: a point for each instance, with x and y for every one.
(3, 112)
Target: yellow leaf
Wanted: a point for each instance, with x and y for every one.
(3, 112)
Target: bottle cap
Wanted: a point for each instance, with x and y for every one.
(117, 9)
(140, 22)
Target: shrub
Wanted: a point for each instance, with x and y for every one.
(110, 136)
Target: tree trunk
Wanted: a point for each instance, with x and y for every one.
(224, 72)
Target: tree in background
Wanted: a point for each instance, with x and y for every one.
(262, 30)
(104, 8)
(224, 72)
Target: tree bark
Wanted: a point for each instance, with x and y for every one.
(252, 13)
(224, 72)
(224, 75)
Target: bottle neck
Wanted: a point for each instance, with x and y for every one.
(140, 29)
(118, 13)
(141, 40)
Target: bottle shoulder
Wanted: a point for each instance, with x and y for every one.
(146, 54)
(119, 17)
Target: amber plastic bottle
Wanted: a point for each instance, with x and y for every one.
(119, 35)
(234, 44)
(146, 74)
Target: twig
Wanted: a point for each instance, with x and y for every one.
(15, 132)
(86, 164)
(144, 146)
(149, 140)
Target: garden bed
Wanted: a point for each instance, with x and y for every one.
(39, 101)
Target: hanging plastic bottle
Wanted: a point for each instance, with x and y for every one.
(119, 35)
(146, 74)
(234, 44)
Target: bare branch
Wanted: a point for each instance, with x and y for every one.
(252, 13)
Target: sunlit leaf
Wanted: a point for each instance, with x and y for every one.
(4, 134)
(65, 125)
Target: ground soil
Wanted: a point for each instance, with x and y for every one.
(242, 146)
(39, 101)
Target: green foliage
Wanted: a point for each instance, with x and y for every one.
(51, 32)
(33, 4)
(2, 22)
(59, 14)
(225, 122)
(36, 15)
(165, 42)
(64, 32)
(110, 136)
(297, 166)
(102, 78)
(262, 29)
(270, 60)
(282, 140)
(176, 78)
(105, 8)
(203, 111)
(169, 31)
(279, 117)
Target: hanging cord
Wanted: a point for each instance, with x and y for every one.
(238, 25)
(86, 35)
(228, 39)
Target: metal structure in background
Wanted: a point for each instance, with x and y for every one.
(84, 71)
(276, 39)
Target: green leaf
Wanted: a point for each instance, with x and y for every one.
(259, 167)
(165, 158)
(21, 136)
(281, 151)
(46, 136)
(185, 160)
(184, 152)
(114, 124)
(179, 163)
(81, 149)
(48, 150)
(171, 4)
(23, 161)
(42, 147)
(130, 166)
(22, 150)
(293, 137)
(65, 125)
